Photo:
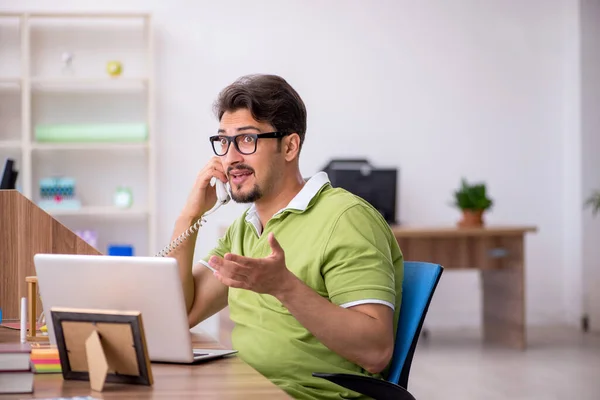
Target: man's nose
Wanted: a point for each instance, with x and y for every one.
(233, 156)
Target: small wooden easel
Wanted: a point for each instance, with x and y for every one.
(97, 362)
(32, 299)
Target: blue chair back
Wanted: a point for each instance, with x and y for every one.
(418, 286)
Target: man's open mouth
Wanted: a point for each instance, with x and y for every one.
(240, 173)
(238, 177)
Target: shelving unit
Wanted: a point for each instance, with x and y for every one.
(88, 84)
(37, 87)
(10, 144)
(103, 212)
(10, 81)
(86, 146)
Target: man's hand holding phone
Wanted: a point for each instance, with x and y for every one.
(203, 196)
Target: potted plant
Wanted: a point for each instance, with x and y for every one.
(594, 202)
(473, 201)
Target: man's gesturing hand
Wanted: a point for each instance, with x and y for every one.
(267, 275)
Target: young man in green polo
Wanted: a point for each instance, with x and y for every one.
(312, 274)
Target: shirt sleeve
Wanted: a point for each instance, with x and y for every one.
(357, 260)
(223, 245)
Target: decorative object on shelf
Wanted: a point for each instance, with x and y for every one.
(117, 132)
(114, 68)
(123, 197)
(89, 236)
(120, 250)
(594, 202)
(58, 193)
(473, 201)
(67, 68)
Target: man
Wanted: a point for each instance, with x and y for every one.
(312, 274)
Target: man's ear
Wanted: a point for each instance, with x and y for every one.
(291, 146)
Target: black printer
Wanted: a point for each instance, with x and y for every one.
(375, 185)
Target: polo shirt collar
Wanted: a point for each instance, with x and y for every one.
(299, 203)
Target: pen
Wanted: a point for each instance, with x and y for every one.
(23, 319)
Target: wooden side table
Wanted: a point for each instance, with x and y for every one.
(498, 253)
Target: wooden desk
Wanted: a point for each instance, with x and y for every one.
(498, 253)
(227, 378)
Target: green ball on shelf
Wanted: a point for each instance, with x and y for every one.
(123, 197)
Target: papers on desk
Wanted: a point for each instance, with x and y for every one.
(16, 325)
(45, 359)
(70, 398)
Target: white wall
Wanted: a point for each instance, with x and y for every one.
(571, 174)
(590, 124)
(451, 89)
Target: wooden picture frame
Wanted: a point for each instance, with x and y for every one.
(102, 346)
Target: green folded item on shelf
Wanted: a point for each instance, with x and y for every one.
(91, 133)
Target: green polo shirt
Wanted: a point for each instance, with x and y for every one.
(342, 248)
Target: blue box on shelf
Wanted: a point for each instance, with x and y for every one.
(120, 250)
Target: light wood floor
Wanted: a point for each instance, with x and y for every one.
(560, 363)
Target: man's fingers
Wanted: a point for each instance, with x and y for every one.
(215, 169)
(232, 274)
(230, 282)
(219, 175)
(215, 262)
(229, 268)
(275, 246)
(244, 261)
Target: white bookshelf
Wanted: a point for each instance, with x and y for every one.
(36, 88)
(104, 212)
(10, 81)
(88, 84)
(87, 146)
(10, 144)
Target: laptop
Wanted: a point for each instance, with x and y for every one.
(150, 285)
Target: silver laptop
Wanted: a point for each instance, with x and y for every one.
(150, 285)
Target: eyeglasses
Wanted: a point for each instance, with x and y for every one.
(245, 143)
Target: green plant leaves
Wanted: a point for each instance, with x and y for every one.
(594, 202)
(472, 196)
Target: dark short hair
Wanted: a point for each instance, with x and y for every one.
(269, 98)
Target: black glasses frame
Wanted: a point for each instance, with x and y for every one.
(256, 136)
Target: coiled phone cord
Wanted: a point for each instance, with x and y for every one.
(181, 238)
(188, 232)
(223, 198)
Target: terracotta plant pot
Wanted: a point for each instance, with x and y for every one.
(471, 219)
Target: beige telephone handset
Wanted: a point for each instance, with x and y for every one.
(223, 197)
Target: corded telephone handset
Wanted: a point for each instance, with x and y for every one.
(223, 197)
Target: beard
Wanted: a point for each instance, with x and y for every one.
(249, 197)
(258, 191)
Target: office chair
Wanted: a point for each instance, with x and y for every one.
(418, 286)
